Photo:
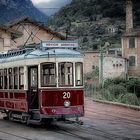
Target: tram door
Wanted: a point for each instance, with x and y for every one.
(33, 97)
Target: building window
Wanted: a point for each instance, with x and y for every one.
(93, 67)
(131, 42)
(132, 60)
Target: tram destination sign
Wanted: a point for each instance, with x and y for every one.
(60, 44)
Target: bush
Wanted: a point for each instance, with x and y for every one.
(130, 98)
(114, 81)
(116, 90)
(133, 85)
(105, 94)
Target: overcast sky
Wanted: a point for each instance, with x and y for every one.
(49, 7)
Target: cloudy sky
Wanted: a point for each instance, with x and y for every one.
(49, 7)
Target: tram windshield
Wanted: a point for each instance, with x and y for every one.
(61, 74)
(65, 70)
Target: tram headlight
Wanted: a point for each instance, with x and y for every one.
(67, 103)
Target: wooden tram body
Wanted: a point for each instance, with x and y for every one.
(42, 83)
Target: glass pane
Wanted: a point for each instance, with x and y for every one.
(132, 61)
(33, 77)
(16, 72)
(1, 44)
(21, 78)
(79, 74)
(5, 79)
(131, 42)
(48, 74)
(10, 78)
(65, 73)
(1, 79)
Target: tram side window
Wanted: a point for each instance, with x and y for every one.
(21, 78)
(5, 79)
(79, 74)
(16, 79)
(65, 70)
(1, 79)
(10, 74)
(48, 74)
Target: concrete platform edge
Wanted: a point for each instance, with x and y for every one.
(118, 104)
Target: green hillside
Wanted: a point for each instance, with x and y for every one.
(94, 22)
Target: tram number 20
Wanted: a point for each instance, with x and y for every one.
(66, 95)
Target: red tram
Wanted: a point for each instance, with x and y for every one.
(42, 83)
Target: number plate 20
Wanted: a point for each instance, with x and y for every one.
(66, 95)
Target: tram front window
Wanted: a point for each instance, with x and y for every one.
(48, 74)
(65, 70)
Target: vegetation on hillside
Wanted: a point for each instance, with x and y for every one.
(94, 22)
(13, 9)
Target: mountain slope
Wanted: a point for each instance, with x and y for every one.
(94, 22)
(11, 9)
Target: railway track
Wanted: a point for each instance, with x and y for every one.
(83, 132)
(14, 135)
(72, 130)
(87, 132)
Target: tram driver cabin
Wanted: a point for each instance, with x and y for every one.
(44, 82)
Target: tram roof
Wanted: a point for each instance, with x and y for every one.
(30, 53)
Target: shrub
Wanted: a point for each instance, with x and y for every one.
(114, 81)
(130, 98)
(105, 94)
(116, 90)
(133, 85)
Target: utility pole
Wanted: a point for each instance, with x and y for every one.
(101, 63)
(101, 79)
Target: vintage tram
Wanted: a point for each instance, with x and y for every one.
(41, 83)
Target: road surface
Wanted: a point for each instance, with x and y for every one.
(101, 122)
